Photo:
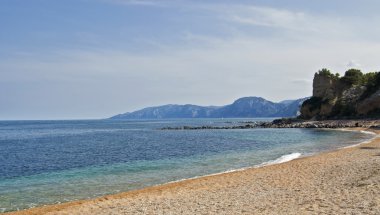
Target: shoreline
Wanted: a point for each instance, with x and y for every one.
(272, 162)
(74, 207)
(289, 123)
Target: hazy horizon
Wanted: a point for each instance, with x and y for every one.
(80, 59)
(154, 105)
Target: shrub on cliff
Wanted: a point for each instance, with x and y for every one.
(328, 73)
(341, 110)
(352, 77)
(371, 82)
(314, 103)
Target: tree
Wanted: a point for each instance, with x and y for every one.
(353, 77)
(328, 73)
(372, 82)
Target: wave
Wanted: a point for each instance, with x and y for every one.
(282, 159)
(364, 142)
(374, 136)
(351, 130)
(368, 132)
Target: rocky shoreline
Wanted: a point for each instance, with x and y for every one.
(290, 123)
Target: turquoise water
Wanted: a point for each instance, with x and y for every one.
(45, 162)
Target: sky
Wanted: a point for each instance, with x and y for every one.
(89, 59)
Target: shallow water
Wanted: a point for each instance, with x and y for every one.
(45, 162)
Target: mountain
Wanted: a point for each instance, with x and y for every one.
(243, 107)
(249, 107)
(169, 111)
(355, 95)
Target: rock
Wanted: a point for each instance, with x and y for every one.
(346, 97)
(369, 104)
(324, 86)
(289, 123)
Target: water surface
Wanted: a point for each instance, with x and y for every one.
(45, 162)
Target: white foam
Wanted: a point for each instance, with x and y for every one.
(368, 132)
(283, 159)
(349, 130)
(364, 142)
(374, 136)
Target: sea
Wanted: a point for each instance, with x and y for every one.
(49, 162)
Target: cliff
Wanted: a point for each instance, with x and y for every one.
(355, 95)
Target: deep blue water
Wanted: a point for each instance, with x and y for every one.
(44, 162)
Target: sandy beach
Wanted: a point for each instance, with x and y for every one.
(345, 181)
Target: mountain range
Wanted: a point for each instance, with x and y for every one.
(246, 107)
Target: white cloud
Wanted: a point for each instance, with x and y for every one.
(296, 24)
(269, 17)
(353, 64)
(206, 70)
(210, 75)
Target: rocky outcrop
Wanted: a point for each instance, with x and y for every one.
(369, 104)
(351, 96)
(324, 86)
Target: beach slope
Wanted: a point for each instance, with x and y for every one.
(345, 181)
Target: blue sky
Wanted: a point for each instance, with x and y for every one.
(96, 58)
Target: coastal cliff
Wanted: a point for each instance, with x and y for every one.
(355, 95)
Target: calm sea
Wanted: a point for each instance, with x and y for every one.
(45, 162)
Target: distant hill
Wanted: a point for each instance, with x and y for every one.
(243, 107)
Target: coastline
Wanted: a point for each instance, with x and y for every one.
(290, 123)
(211, 193)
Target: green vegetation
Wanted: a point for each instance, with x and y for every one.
(315, 102)
(355, 77)
(341, 110)
(326, 72)
(352, 77)
(372, 82)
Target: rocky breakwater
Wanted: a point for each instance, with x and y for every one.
(247, 125)
(290, 123)
(296, 123)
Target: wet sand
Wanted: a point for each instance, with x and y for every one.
(345, 181)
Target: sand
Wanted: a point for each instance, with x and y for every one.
(345, 181)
